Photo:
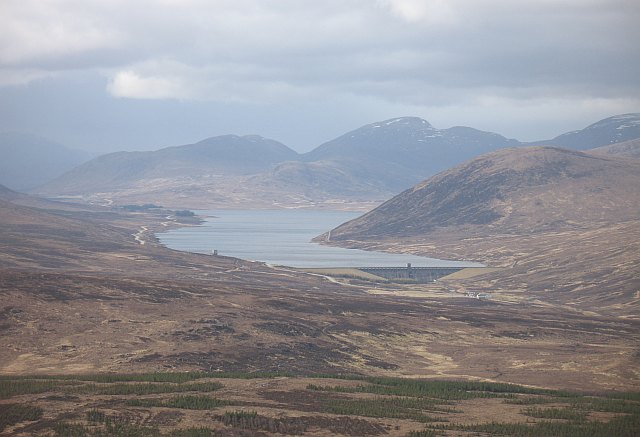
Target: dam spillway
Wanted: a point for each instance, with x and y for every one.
(418, 274)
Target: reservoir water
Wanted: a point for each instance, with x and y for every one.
(283, 237)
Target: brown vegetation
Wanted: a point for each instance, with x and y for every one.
(80, 294)
(563, 225)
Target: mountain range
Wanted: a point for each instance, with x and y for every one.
(371, 163)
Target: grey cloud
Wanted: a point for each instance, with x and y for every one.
(490, 43)
(421, 56)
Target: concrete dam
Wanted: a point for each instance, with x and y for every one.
(418, 274)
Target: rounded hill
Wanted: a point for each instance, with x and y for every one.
(522, 190)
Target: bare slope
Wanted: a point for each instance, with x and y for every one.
(616, 129)
(629, 149)
(564, 221)
(225, 155)
(28, 161)
(7, 194)
(80, 294)
(514, 190)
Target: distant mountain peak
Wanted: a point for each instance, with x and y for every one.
(254, 137)
(621, 121)
(403, 121)
(635, 115)
(215, 139)
(615, 129)
(233, 138)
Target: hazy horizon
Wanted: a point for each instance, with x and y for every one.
(151, 147)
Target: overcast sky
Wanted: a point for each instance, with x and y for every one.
(142, 74)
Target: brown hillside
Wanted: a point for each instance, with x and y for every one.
(629, 149)
(565, 224)
(512, 190)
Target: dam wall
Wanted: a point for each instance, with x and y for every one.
(418, 274)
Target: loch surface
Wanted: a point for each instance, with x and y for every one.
(283, 237)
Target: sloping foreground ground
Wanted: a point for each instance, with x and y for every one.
(80, 294)
(200, 404)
